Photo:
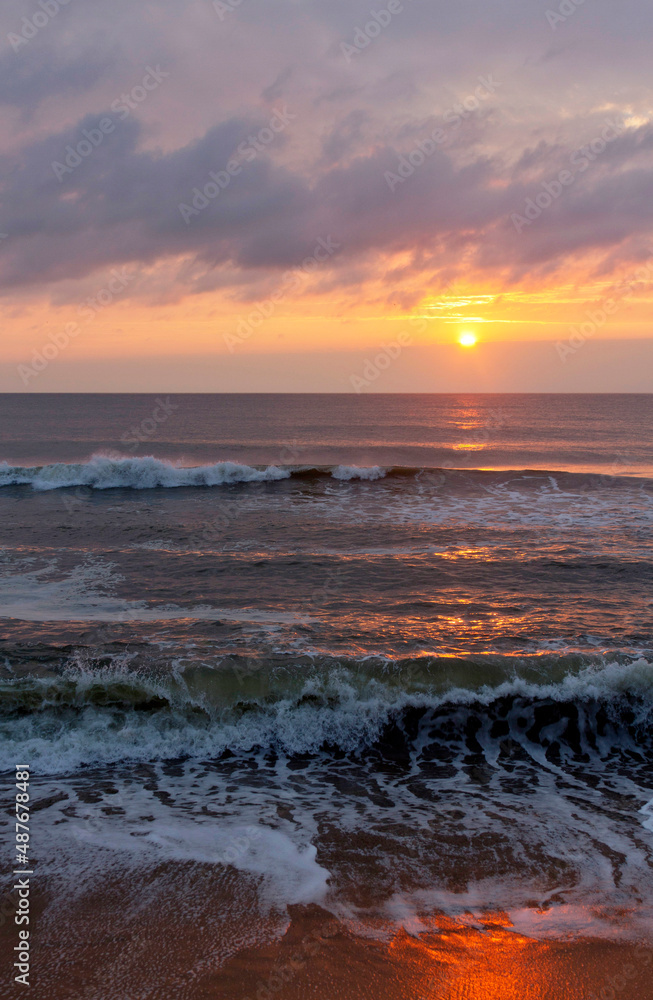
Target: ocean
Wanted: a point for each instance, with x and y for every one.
(384, 661)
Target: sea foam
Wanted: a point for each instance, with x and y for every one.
(111, 714)
(102, 472)
(105, 472)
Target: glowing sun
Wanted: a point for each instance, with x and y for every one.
(467, 339)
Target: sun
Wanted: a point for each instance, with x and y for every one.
(467, 339)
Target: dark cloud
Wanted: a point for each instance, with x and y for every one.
(41, 72)
(327, 173)
(122, 203)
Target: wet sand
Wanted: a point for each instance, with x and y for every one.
(186, 933)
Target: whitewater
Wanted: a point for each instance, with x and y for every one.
(388, 657)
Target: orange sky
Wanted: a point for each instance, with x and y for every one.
(237, 187)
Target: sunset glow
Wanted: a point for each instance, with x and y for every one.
(326, 498)
(327, 205)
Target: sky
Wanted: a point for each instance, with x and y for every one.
(323, 195)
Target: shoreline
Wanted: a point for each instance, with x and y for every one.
(210, 943)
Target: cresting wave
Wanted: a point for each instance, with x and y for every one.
(89, 714)
(102, 472)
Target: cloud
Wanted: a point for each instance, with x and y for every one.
(41, 72)
(327, 173)
(121, 204)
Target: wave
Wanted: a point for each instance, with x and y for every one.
(347, 472)
(103, 472)
(113, 712)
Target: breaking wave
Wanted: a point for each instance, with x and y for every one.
(102, 472)
(102, 714)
